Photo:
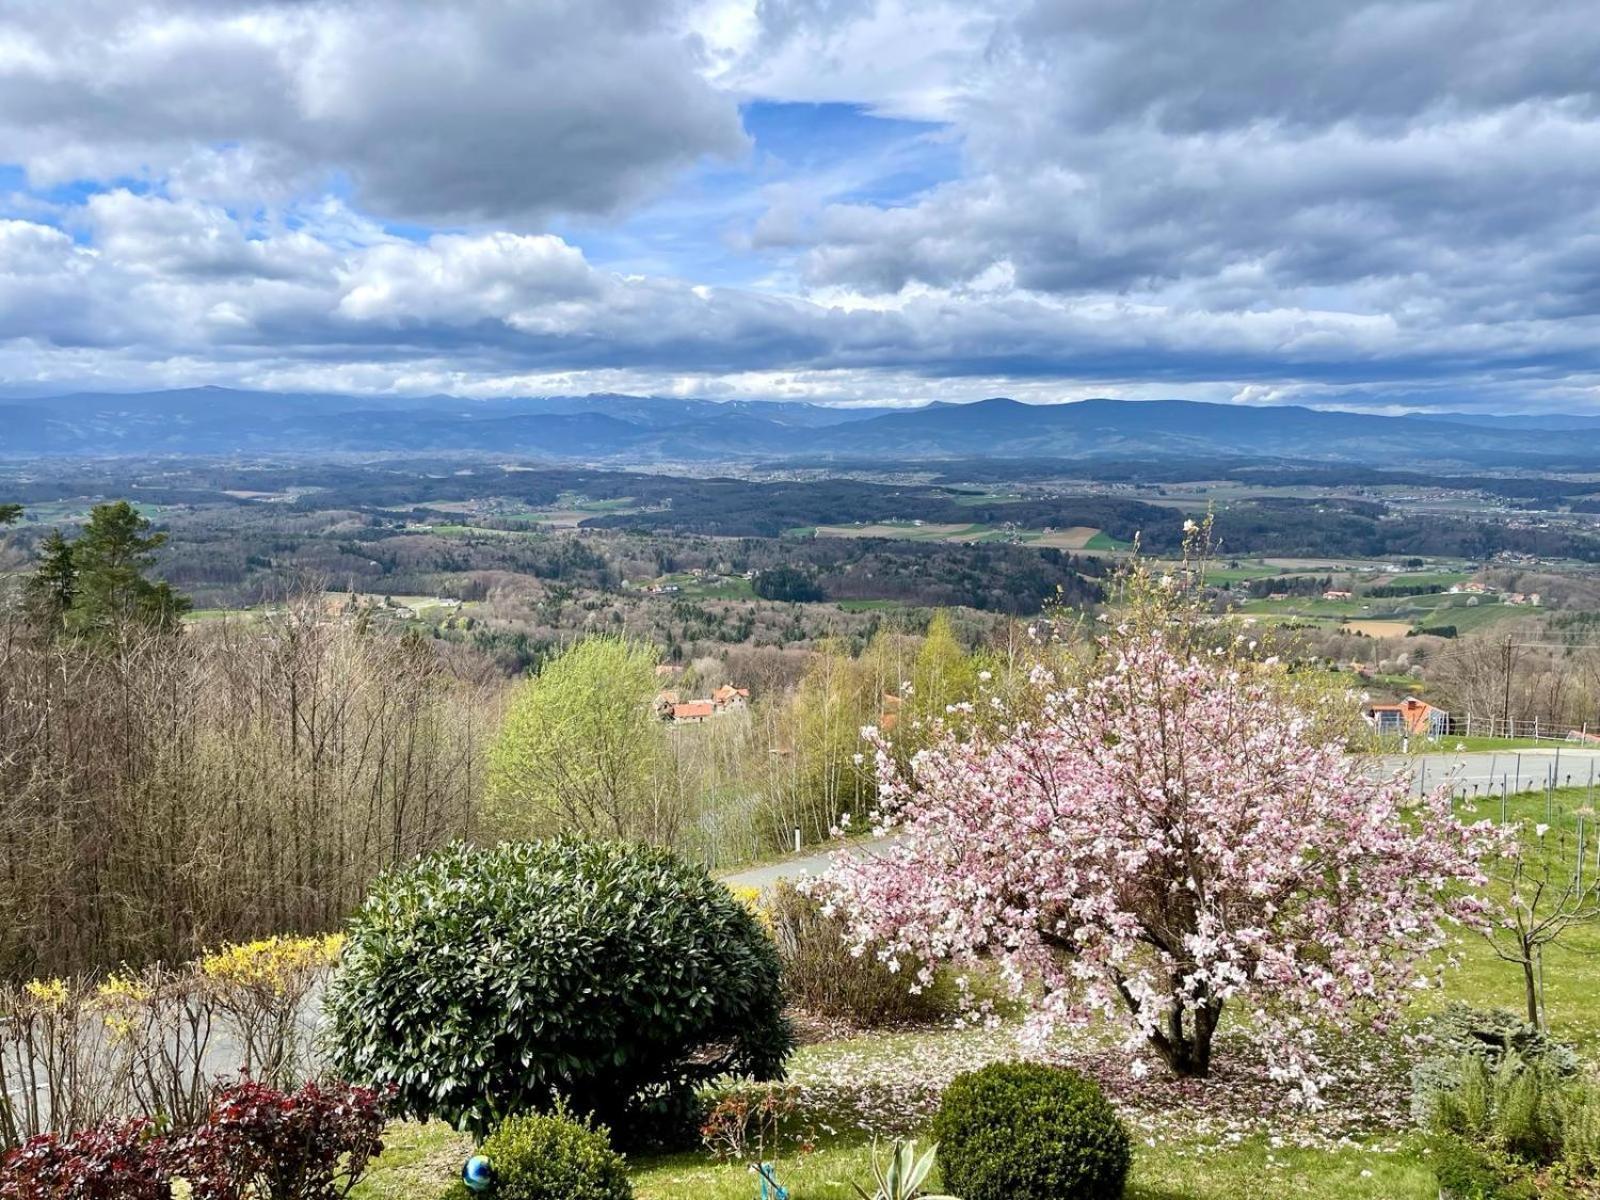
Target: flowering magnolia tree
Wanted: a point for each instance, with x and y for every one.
(1167, 840)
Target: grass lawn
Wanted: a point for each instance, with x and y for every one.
(421, 1160)
(1449, 745)
(717, 588)
(1470, 619)
(1224, 1140)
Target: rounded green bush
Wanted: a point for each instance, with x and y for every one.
(484, 983)
(1024, 1131)
(551, 1157)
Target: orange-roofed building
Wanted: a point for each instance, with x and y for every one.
(1411, 716)
(728, 696)
(695, 710)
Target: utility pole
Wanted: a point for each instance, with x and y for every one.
(1506, 651)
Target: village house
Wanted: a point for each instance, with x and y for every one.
(1336, 594)
(1410, 717)
(727, 696)
(693, 712)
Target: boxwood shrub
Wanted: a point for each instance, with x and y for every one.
(1024, 1131)
(539, 1156)
(481, 983)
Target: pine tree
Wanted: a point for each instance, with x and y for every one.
(106, 587)
(51, 589)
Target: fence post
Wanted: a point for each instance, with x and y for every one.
(1580, 854)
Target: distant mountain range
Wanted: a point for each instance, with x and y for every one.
(619, 429)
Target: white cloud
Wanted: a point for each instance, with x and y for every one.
(1347, 203)
(478, 111)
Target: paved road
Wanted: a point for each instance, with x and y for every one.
(1477, 771)
(791, 868)
(1515, 770)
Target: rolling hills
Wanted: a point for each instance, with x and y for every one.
(620, 429)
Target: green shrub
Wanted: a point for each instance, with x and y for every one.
(552, 1157)
(821, 976)
(485, 983)
(1023, 1131)
(1460, 1030)
(1512, 1108)
(1579, 1106)
(1466, 1171)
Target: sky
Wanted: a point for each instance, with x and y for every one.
(1388, 206)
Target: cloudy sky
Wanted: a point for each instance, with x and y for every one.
(1335, 202)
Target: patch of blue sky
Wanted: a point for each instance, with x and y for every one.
(811, 155)
(56, 204)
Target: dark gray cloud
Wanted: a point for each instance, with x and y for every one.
(485, 110)
(1435, 163)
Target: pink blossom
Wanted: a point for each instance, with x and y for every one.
(1165, 841)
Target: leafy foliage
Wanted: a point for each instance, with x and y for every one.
(787, 584)
(1490, 1035)
(580, 749)
(1467, 1171)
(120, 1162)
(484, 983)
(743, 1120)
(824, 977)
(258, 1143)
(1524, 1111)
(902, 1176)
(96, 583)
(537, 1156)
(1024, 1131)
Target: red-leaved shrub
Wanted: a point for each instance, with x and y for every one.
(114, 1162)
(258, 1143)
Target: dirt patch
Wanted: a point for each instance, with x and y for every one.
(1378, 629)
(1076, 538)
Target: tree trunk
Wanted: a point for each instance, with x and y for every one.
(1185, 1044)
(1530, 984)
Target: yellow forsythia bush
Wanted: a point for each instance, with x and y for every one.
(275, 964)
(753, 899)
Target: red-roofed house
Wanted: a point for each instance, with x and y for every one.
(728, 696)
(695, 710)
(1412, 717)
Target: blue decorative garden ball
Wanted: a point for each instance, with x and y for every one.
(477, 1174)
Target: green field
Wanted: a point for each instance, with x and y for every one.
(869, 605)
(1078, 538)
(718, 588)
(1435, 609)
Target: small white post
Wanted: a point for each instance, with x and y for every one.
(797, 839)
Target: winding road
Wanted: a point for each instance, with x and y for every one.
(1477, 772)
